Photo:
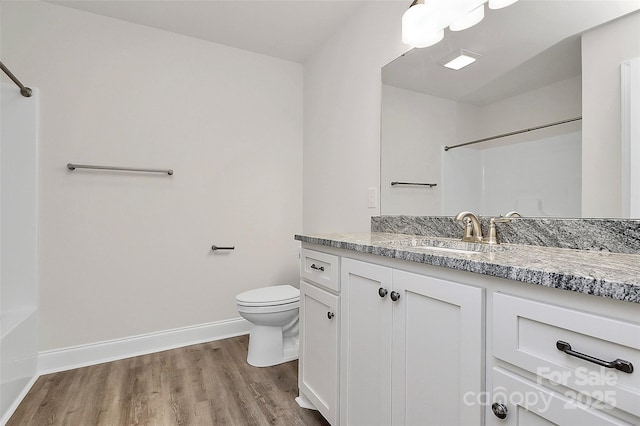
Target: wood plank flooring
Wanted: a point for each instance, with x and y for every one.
(206, 384)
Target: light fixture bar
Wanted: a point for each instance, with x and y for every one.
(424, 22)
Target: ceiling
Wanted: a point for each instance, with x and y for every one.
(517, 43)
(525, 46)
(289, 30)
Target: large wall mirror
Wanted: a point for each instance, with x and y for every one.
(541, 63)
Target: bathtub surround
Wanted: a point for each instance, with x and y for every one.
(607, 235)
(18, 246)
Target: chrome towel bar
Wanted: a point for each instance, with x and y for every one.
(126, 169)
(430, 185)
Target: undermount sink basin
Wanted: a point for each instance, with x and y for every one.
(447, 245)
(448, 249)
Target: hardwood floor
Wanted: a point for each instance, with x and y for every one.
(206, 384)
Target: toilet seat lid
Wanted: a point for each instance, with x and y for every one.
(268, 296)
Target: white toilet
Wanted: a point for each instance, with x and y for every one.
(273, 314)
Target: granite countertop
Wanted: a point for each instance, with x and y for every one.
(605, 274)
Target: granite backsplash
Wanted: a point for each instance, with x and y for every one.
(610, 235)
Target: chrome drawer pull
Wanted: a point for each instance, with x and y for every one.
(618, 364)
(317, 268)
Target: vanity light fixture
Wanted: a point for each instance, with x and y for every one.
(459, 59)
(424, 22)
(419, 26)
(468, 20)
(499, 4)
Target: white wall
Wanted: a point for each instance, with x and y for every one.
(462, 181)
(414, 129)
(555, 102)
(342, 86)
(603, 49)
(124, 254)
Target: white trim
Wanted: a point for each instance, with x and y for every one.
(96, 353)
(16, 402)
(630, 107)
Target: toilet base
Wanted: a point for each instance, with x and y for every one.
(267, 346)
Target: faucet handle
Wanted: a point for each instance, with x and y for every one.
(512, 213)
(492, 238)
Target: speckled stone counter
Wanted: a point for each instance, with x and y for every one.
(605, 274)
(613, 235)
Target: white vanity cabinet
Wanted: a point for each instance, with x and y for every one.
(319, 332)
(412, 347)
(418, 344)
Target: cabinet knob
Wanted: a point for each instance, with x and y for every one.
(395, 296)
(382, 291)
(500, 410)
(330, 315)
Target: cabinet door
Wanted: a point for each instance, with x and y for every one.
(438, 351)
(529, 404)
(318, 368)
(365, 388)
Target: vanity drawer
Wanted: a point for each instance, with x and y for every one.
(526, 334)
(528, 403)
(320, 268)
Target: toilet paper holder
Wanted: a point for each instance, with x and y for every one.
(215, 247)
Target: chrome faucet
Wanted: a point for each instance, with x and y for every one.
(473, 230)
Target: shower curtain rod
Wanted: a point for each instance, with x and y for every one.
(24, 91)
(517, 132)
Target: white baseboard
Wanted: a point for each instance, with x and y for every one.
(96, 353)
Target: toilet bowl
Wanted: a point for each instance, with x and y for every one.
(273, 314)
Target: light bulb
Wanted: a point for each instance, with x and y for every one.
(419, 27)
